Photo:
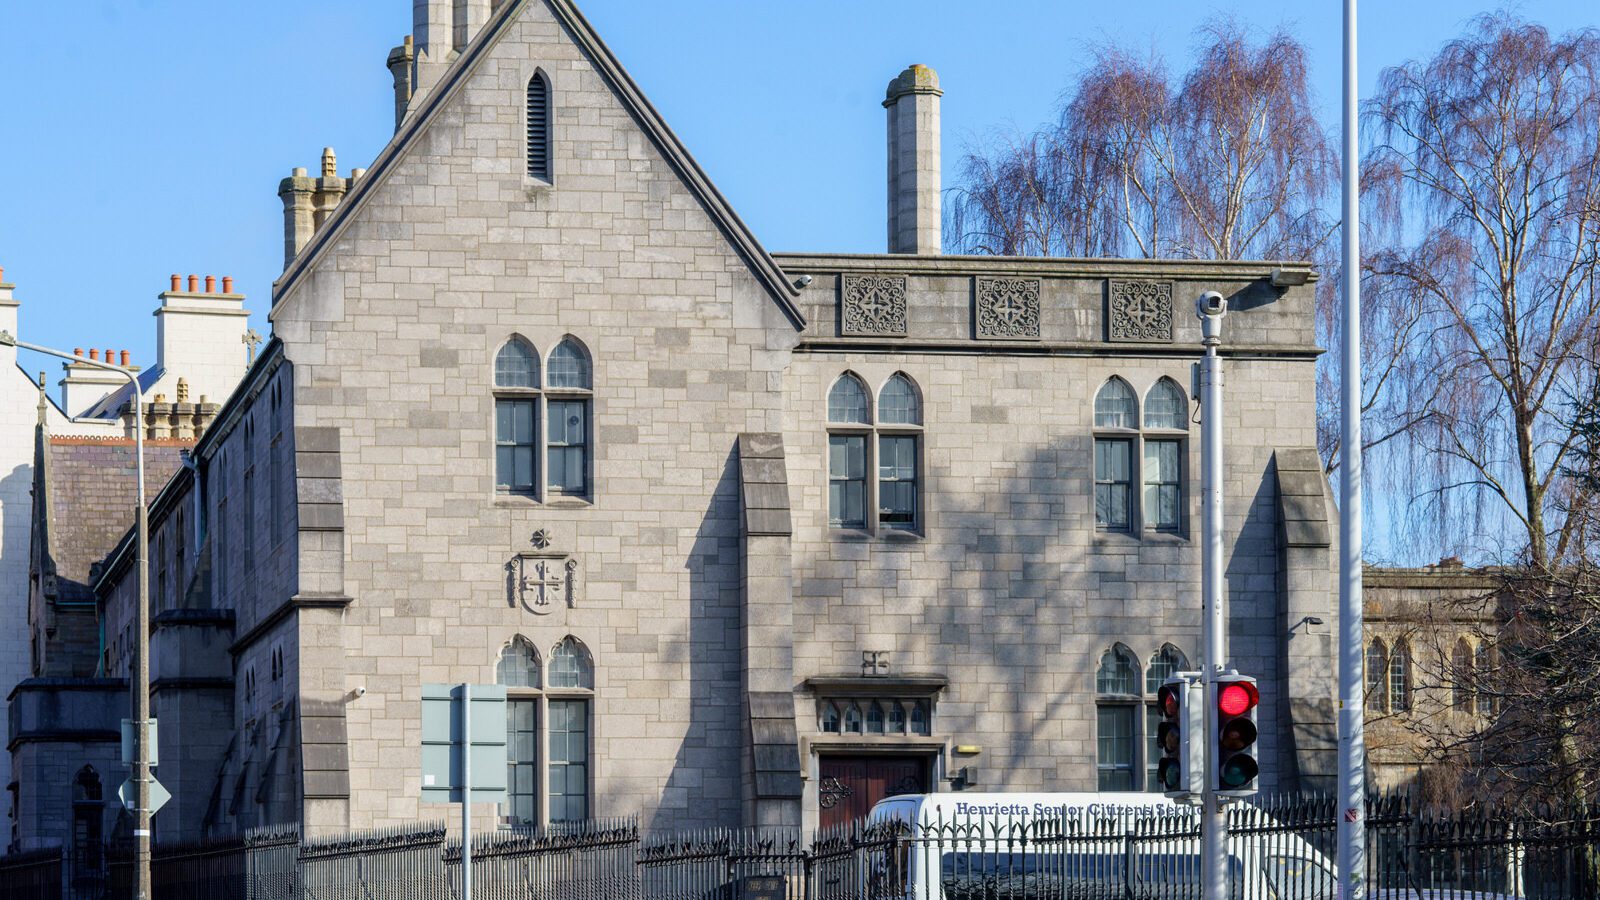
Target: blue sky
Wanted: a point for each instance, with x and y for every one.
(144, 137)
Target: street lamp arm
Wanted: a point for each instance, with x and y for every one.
(140, 681)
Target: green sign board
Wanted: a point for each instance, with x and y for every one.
(446, 745)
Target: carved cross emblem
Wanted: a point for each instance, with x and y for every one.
(543, 582)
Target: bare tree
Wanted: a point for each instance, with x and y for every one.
(1228, 164)
(1486, 176)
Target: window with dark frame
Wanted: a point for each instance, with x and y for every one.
(516, 381)
(569, 378)
(874, 461)
(1147, 451)
(1117, 703)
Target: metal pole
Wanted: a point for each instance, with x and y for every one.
(139, 683)
(1352, 740)
(466, 792)
(1214, 823)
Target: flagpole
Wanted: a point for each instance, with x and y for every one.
(1352, 740)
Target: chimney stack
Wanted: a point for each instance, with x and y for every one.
(915, 215)
(433, 25)
(401, 59)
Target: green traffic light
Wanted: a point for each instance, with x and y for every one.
(1239, 771)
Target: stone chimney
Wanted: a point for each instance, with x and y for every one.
(83, 385)
(308, 202)
(441, 30)
(200, 338)
(401, 59)
(915, 222)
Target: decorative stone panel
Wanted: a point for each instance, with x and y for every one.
(873, 305)
(1006, 308)
(543, 579)
(1139, 312)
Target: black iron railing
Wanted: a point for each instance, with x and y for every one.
(1278, 850)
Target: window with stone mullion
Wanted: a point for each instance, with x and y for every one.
(847, 480)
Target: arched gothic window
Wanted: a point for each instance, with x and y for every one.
(875, 456)
(1400, 676)
(1377, 676)
(519, 664)
(1117, 702)
(1461, 676)
(571, 687)
(563, 400)
(1165, 428)
(538, 123)
(1152, 455)
(516, 405)
(569, 401)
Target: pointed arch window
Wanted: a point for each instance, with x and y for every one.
(571, 688)
(548, 708)
(875, 455)
(563, 400)
(1117, 702)
(516, 405)
(538, 127)
(1461, 676)
(1400, 676)
(568, 398)
(1148, 450)
(1377, 676)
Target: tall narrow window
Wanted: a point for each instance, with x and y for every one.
(1377, 677)
(1483, 663)
(1117, 698)
(1461, 676)
(847, 453)
(571, 684)
(518, 671)
(1115, 413)
(1165, 423)
(569, 382)
(516, 376)
(899, 421)
(1400, 676)
(538, 127)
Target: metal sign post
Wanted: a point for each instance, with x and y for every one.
(460, 722)
(1211, 307)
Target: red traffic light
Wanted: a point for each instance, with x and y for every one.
(1167, 697)
(1237, 698)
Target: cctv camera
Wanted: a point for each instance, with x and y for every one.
(803, 281)
(361, 691)
(1211, 303)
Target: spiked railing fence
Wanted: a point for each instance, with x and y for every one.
(1280, 849)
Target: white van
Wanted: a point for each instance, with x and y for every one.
(965, 846)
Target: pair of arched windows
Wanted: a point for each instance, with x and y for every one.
(875, 455)
(1389, 685)
(565, 396)
(1126, 740)
(1129, 450)
(537, 121)
(547, 732)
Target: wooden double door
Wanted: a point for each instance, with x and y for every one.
(848, 786)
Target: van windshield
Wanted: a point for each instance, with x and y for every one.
(1295, 878)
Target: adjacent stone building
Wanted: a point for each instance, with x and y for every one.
(749, 538)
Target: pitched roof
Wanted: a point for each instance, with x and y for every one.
(739, 235)
(89, 485)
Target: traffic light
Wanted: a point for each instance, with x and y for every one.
(1237, 699)
(1179, 702)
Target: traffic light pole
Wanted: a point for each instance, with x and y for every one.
(1214, 823)
(1352, 787)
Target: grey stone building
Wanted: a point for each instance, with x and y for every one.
(750, 538)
